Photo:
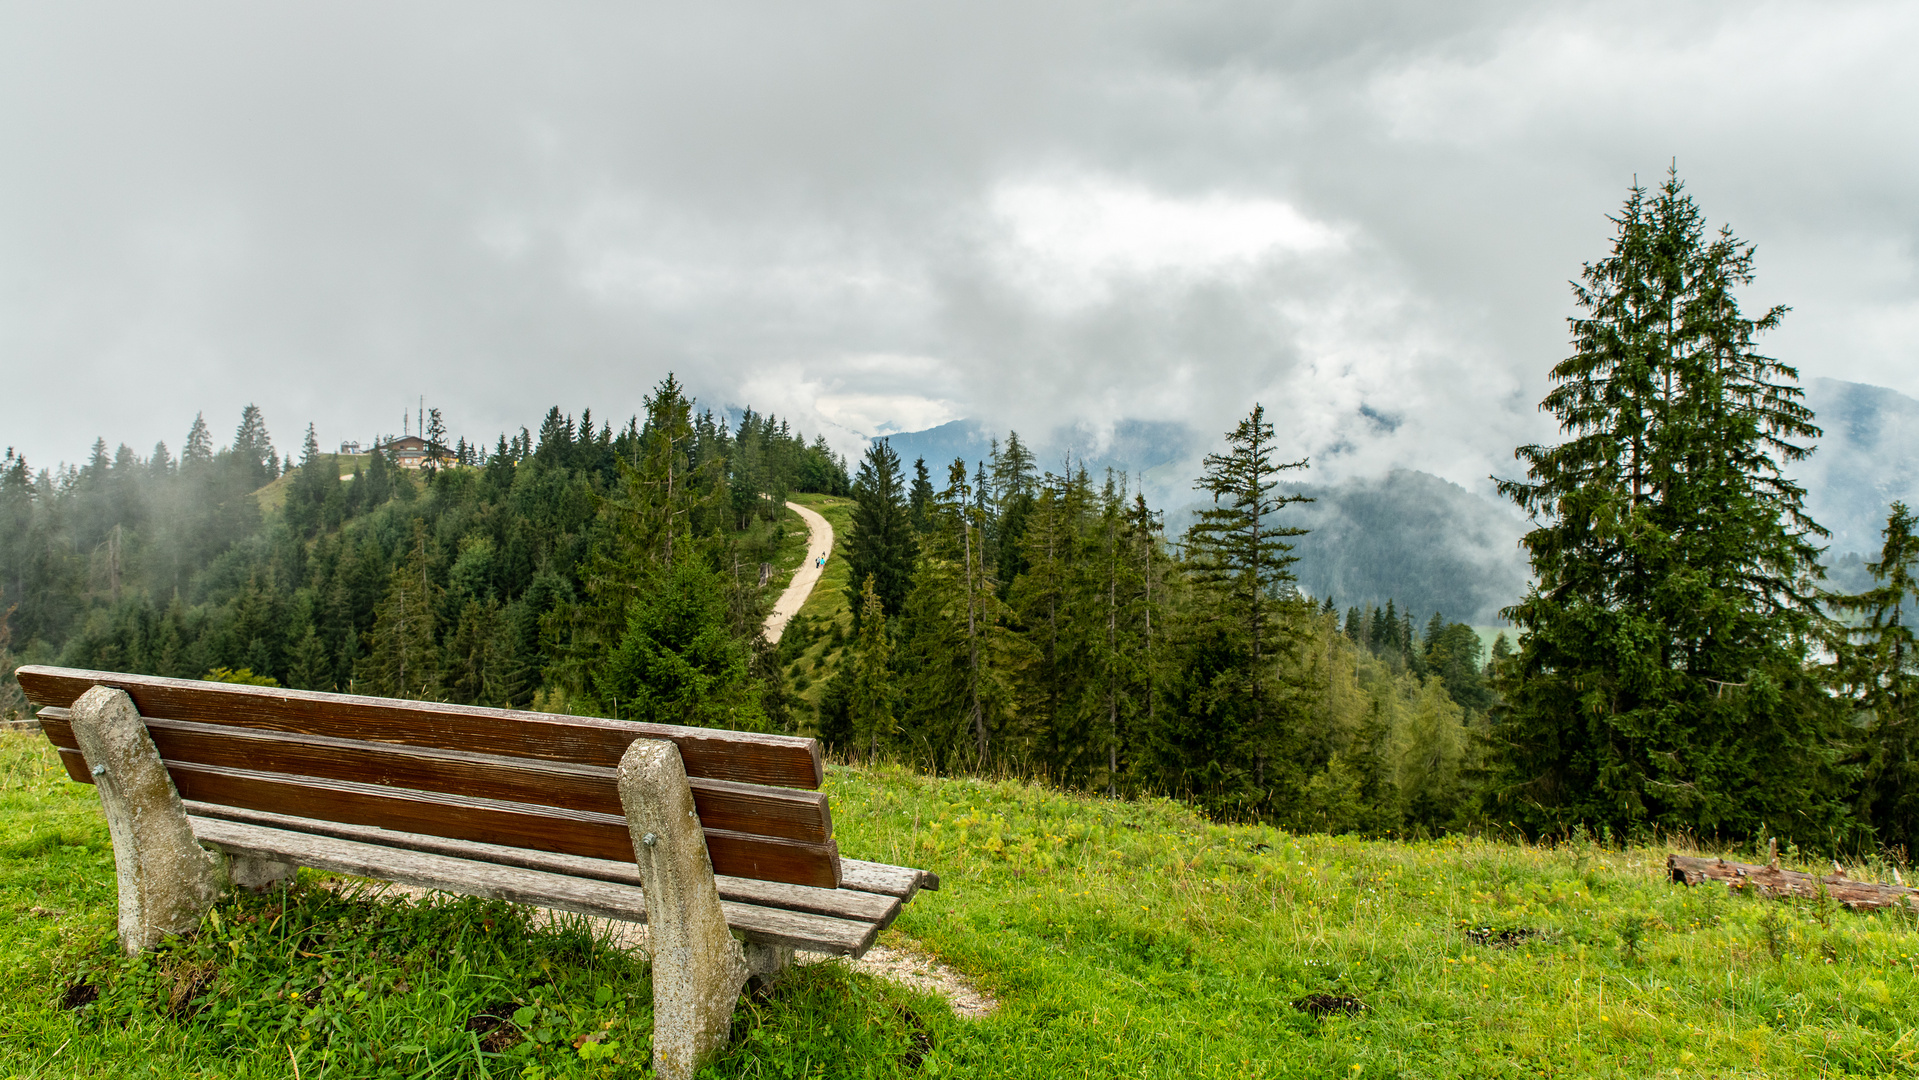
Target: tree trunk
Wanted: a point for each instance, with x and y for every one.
(1773, 882)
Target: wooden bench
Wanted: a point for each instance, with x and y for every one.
(717, 839)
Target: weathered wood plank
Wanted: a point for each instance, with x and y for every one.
(522, 886)
(489, 821)
(841, 903)
(900, 881)
(778, 760)
(787, 813)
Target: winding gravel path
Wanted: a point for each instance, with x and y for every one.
(819, 545)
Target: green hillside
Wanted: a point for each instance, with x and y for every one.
(1122, 939)
(816, 641)
(273, 497)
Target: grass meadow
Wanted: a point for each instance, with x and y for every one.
(1122, 939)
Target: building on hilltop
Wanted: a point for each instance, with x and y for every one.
(407, 451)
(350, 447)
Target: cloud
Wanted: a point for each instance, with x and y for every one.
(1065, 242)
(868, 217)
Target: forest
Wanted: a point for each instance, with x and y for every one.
(1676, 664)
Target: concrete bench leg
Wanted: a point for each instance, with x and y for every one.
(698, 968)
(167, 880)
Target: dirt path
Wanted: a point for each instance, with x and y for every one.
(819, 545)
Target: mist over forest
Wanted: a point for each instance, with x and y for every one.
(1164, 614)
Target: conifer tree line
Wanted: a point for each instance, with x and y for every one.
(1015, 620)
(574, 568)
(1676, 665)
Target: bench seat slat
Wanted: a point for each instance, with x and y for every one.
(786, 813)
(489, 821)
(900, 881)
(877, 908)
(778, 760)
(814, 933)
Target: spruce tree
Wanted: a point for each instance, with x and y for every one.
(1239, 557)
(1060, 611)
(252, 450)
(199, 444)
(1661, 678)
(919, 500)
(1875, 667)
(403, 658)
(956, 653)
(871, 699)
(882, 545)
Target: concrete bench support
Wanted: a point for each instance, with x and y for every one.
(698, 967)
(167, 880)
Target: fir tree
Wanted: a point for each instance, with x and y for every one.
(1875, 666)
(402, 655)
(956, 652)
(919, 501)
(871, 699)
(882, 545)
(678, 663)
(1239, 553)
(1661, 675)
(199, 444)
(252, 449)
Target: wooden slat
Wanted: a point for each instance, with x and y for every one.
(786, 813)
(489, 821)
(900, 881)
(75, 764)
(779, 760)
(841, 903)
(816, 933)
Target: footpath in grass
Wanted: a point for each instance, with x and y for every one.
(816, 640)
(1123, 939)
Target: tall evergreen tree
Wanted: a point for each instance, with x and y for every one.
(403, 658)
(919, 500)
(254, 458)
(644, 529)
(678, 662)
(1058, 607)
(871, 698)
(1661, 674)
(1239, 553)
(882, 545)
(1875, 666)
(956, 651)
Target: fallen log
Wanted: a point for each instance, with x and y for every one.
(1774, 882)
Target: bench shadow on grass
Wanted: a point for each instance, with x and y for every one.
(345, 978)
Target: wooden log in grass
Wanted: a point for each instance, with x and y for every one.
(1772, 881)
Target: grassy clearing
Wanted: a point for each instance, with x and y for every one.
(274, 496)
(1124, 939)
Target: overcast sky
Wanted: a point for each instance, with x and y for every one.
(882, 216)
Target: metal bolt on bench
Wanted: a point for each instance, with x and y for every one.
(717, 840)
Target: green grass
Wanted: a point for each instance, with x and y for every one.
(789, 555)
(1123, 939)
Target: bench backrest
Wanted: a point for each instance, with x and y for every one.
(497, 776)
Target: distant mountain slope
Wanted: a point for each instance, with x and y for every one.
(1431, 545)
(1414, 538)
(1423, 542)
(1868, 457)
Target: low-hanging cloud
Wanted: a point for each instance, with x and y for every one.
(872, 218)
